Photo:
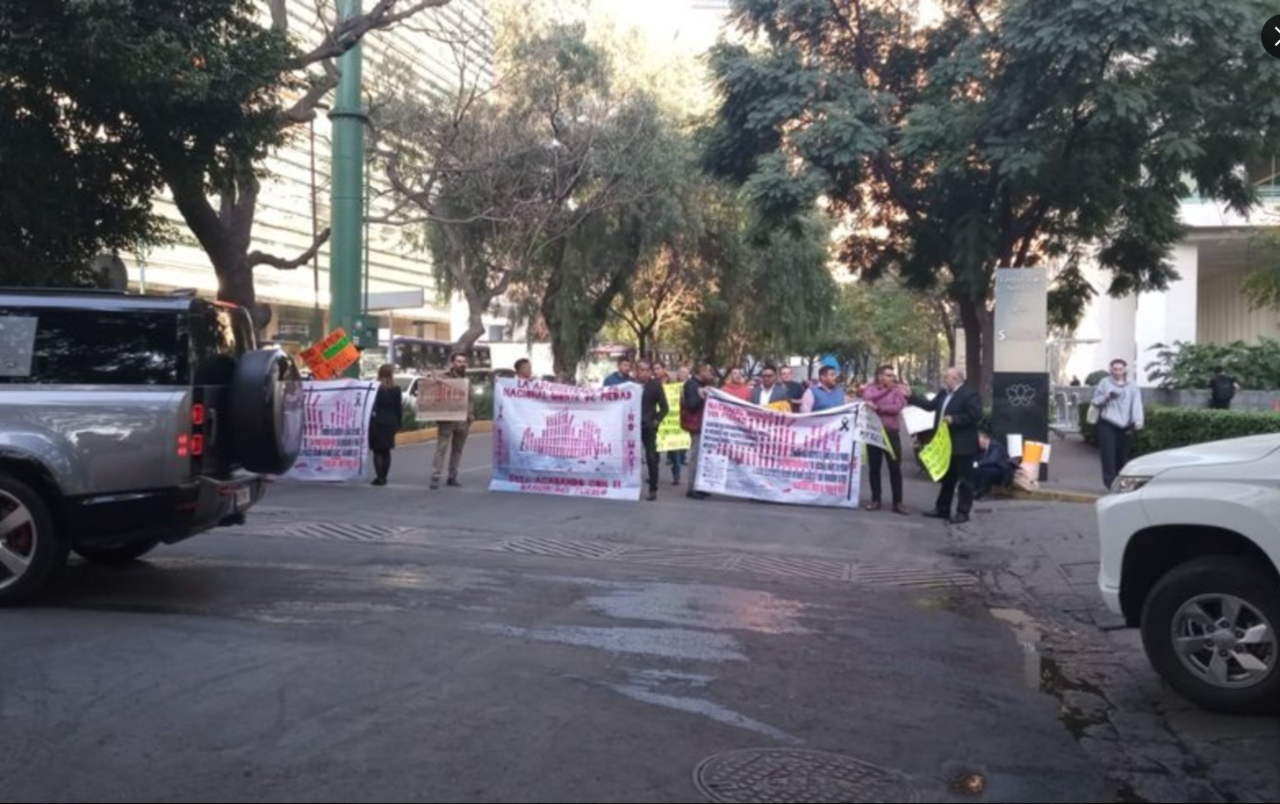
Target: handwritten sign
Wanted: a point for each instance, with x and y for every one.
(331, 356)
(936, 455)
(443, 399)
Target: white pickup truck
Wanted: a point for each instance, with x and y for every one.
(1190, 551)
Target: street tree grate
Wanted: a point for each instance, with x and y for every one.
(343, 531)
(767, 775)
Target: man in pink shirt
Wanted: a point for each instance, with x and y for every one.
(887, 397)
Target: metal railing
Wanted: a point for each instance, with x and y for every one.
(1064, 411)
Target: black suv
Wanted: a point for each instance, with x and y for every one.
(126, 421)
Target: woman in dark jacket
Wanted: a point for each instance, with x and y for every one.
(385, 423)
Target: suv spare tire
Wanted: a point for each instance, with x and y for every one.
(266, 411)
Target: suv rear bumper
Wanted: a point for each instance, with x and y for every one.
(170, 514)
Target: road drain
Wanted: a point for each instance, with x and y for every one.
(788, 774)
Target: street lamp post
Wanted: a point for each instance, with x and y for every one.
(347, 207)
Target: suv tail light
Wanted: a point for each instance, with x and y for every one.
(197, 414)
(184, 445)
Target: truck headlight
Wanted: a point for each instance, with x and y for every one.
(1126, 483)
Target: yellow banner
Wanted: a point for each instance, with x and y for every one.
(936, 456)
(670, 437)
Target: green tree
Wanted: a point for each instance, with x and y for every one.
(547, 189)
(186, 95)
(1012, 133)
(70, 190)
(771, 293)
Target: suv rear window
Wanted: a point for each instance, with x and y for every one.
(219, 336)
(96, 347)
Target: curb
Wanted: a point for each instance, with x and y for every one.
(429, 434)
(1052, 495)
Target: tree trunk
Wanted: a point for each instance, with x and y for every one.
(986, 385)
(971, 319)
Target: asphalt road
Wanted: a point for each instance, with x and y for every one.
(353, 643)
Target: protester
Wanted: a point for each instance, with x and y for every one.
(388, 412)
(693, 401)
(451, 437)
(994, 468)
(795, 390)
(960, 407)
(736, 386)
(653, 409)
(825, 395)
(622, 375)
(678, 458)
(770, 389)
(887, 397)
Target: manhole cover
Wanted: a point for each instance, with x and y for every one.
(787, 774)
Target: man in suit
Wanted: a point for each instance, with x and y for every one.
(769, 390)
(961, 408)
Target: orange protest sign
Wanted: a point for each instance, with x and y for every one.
(331, 356)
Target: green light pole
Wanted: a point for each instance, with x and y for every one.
(347, 207)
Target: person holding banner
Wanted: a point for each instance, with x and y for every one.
(384, 422)
(653, 409)
(622, 375)
(795, 390)
(736, 385)
(451, 437)
(825, 395)
(524, 370)
(770, 391)
(887, 397)
(693, 400)
(959, 408)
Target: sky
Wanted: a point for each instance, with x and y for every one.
(682, 25)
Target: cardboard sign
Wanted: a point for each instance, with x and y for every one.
(331, 356)
(443, 399)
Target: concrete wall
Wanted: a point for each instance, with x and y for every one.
(1225, 315)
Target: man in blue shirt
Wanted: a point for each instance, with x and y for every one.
(622, 375)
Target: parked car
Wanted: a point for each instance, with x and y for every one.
(1190, 553)
(127, 421)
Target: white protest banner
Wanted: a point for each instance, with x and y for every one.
(335, 436)
(443, 399)
(762, 454)
(871, 430)
(562, 439)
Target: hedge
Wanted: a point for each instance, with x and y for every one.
(1167, 428)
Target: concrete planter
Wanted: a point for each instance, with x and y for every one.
(429, 434)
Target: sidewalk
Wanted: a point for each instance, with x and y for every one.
(1075, 473)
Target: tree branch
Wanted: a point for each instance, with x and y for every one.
(259, 258)
(346, 34)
